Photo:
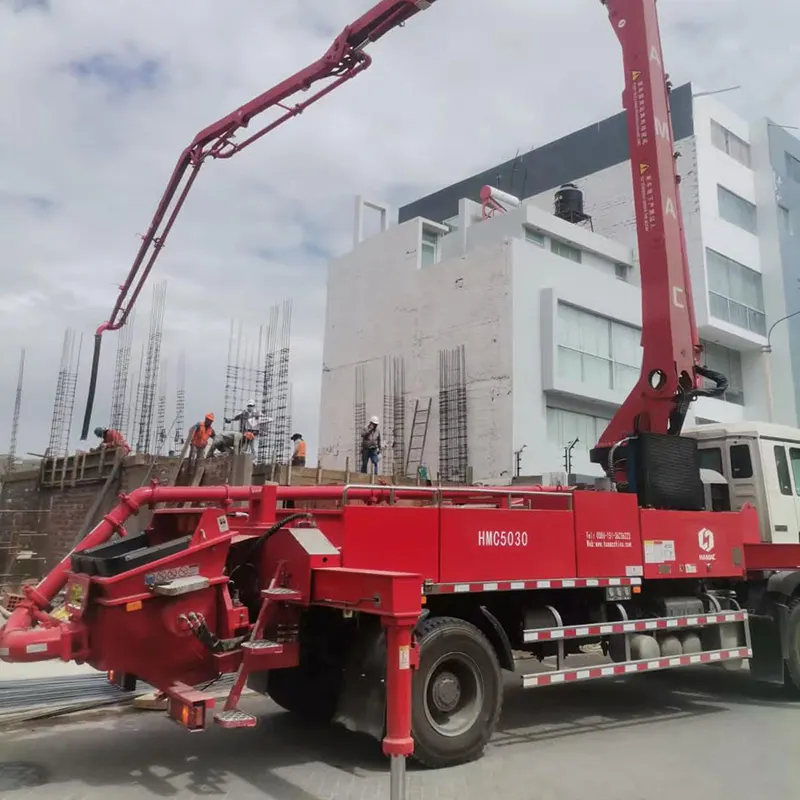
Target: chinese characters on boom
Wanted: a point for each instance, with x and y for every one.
(609, 539)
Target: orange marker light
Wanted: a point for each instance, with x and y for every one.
(136, 605)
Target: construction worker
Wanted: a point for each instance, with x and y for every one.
(370, 445)
(249, 422)
(201, 434)
(110, 439)
(230, 441)
(299, 455)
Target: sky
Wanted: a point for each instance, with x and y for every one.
(100, 98)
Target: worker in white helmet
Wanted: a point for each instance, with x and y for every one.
(249, 422)
(370, 445)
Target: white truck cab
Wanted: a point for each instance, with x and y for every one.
(760, 462)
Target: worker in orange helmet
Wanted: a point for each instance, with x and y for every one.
(299, 455)
(201, 435)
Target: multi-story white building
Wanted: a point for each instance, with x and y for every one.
(543, 315)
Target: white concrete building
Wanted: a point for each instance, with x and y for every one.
(547, 311)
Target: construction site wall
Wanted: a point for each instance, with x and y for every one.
(44, 511)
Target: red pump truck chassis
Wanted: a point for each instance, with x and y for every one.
(395, 610)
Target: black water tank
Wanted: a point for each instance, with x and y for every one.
(569, 203)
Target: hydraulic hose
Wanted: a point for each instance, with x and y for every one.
(87, 414)
(721, 383)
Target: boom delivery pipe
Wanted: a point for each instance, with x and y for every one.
(344, 59)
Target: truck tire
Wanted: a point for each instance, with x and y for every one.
(792, 673)
(457, 692)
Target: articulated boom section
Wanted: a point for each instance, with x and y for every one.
(344, 59)
(660, 399)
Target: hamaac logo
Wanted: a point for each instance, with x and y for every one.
(705, 538)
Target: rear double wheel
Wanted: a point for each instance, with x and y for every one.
(457, 692)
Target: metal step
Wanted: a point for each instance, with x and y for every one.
(260, 645)
(234, 718)
(282, 593)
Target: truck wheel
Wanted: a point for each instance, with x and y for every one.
(457, 693)
(792, 673)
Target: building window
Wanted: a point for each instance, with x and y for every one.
(784, 220)
(730, 143)
(429, 247)
(793, 167)
(737, 210)
(621, 272)
(566, 251)
(534, 237)
(735, 294)
(729, 363)
(597, 351)
(564, 427)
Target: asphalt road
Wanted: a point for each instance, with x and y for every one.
(703, 734)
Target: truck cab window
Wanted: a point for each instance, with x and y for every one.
(794, 457)
(711, 458)
(782, 463)
(741, 464)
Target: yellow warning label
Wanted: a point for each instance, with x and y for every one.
(643, 168)
(404, 651)
(635, 74)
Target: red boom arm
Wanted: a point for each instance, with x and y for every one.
(669, 376)
(344, 59)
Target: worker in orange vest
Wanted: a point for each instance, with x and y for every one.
(299, 455)
(111, 439)
(201, 434)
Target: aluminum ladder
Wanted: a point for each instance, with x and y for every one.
(418, 437)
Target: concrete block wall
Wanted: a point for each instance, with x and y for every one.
(54, 517)
(382, 302)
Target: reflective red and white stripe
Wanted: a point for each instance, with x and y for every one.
(508, 586)
(634, 626)
(632, 667)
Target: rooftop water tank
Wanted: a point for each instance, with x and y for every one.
(569, 203)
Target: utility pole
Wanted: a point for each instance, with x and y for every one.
(518, 460)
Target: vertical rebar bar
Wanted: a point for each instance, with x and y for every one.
(119, 391)
(180, 402)
(12, 445)
(359, 410)
(399, 415)
(145, 439)
(64, 403)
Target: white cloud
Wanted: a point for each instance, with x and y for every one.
(464, 85)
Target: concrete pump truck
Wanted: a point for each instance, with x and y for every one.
(396, 610)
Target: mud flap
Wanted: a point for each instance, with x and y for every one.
(362, 702)
(768, 641)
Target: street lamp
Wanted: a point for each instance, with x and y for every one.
(766, 351)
